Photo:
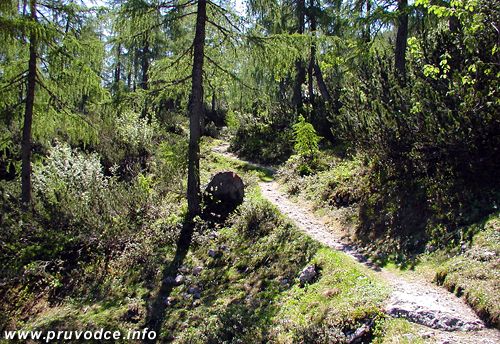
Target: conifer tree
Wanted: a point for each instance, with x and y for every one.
(196, 112)
(28, 112)
(54, 57)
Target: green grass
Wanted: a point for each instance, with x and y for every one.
(475, 273)
(344, 297)
(250, 291)
(397, 331)
(244, 298)
(214, 162)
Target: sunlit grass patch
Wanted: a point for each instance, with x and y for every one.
(397, 331)
(345, 296)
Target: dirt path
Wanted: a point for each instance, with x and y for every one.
(447, 317)
(444, 317)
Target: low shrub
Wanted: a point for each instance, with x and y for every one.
(267, 142)
(256, 218)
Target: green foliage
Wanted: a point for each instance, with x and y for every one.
(84, 226)
(397, 331)
(256, 218)
(306, 139)
(171, 162)
(136, 131)
(110, 160)
(432, 140)
(69, 174)
(344, 297)
(269, 141)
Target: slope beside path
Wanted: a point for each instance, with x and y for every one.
(444, 317)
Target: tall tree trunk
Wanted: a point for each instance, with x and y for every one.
(195, 114)
(118, 67)
(321, 84)
(135, 69)
(367, 32)
(145, 75)
(214, 102)
(300, 77)
(28, 115)
(312, 57)
(145, 66)
(401, 41)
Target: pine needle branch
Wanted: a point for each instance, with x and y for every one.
(63, 105)
(231, 74)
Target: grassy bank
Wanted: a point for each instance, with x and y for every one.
(239, 280)
(347, 192)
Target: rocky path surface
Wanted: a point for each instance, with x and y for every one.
(447, 318)
(444, 317)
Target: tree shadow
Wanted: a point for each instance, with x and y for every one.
(265, 173)
(157, 309)
(394, 220)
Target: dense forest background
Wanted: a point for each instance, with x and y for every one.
(108, 111)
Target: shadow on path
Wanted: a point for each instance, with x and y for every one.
(157, 308)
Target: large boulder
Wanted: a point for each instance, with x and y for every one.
(222, 195)
(308, 275)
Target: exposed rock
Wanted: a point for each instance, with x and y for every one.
(285, 282)
(195, 291)
(170, 301)
(222, 195)
(308, 275)
(179, 279)
(428, 309)
(360, 334)
(197, 270)
(428, 335)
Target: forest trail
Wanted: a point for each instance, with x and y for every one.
(444, 318)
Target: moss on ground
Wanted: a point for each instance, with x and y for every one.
(345, 297)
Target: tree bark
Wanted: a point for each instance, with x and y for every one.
(401, 41)
(367, 31)
(118, 66)
(145, 66)
(312, 57)
(195, 114)
(28, 114)
(145, 75)
(300, 77)
(321, 84)
(214, 102)
(135, 69)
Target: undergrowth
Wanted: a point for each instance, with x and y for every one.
(473, 273)
(239, 279)
(403, 226)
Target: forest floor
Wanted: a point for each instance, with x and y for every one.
(439, 315)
